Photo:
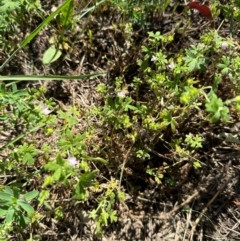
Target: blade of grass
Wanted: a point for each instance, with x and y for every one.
(20, 78)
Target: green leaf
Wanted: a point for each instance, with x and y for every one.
(113, 216)
(8, 190)
(93, 214)
(8, 6)
(57, 174)
(84, 181)
(196, 164)
(16, 192)
(44, 194)
(52, 166)
(3, 212)
(28, 159)
(60, 160)
(22, 220)
(86, 178)
(6, 196)
(104, 217)
(5, 203)
(48, 181)
(51, 55)
(31, 195)
(10, 215)
(66, 15)
(25, 206)
(27, 40)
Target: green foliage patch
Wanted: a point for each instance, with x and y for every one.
(87, 150)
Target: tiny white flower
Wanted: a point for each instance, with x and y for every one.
(224, 46)
(72, 160)
(121, 94)
(45, 110)
(153, 59)
(171, 65)
(54, 8)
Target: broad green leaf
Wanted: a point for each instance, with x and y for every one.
(51, 55)
(25, 206)
(16, 192)
(66, 16)
(31, 195)
(5, 202)
(22, 220)
(10, 215)
(6, 196)
(8, 190)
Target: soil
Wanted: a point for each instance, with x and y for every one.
(202, 204)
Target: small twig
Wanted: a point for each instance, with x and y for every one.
(123, 165)
(156, 153)
(194, 195)
(164, 216)
(152, 201)
(208, 204)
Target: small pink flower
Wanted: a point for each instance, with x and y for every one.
(45, 110)
(224, 46)
(72, 160)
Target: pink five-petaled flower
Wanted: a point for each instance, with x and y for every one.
(72, 160)
(45, 110)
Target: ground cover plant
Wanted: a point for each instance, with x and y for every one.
(119, 120)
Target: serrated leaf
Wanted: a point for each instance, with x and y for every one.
(28, 159)
(51, 55)
(93, 214)
(104, 217)
(113, 216)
